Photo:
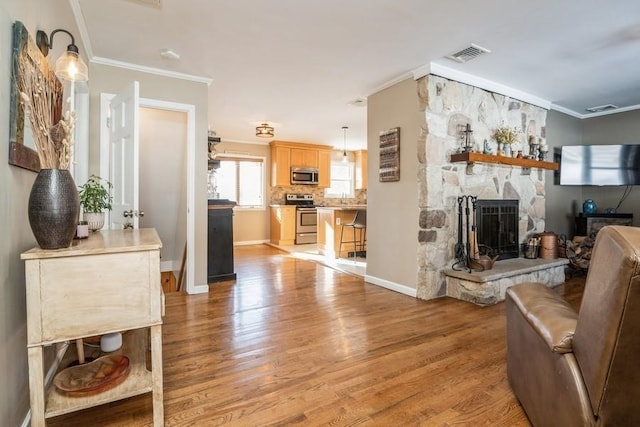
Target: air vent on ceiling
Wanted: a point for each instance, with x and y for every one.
(359, 102)
(601, 108)
(468, 53)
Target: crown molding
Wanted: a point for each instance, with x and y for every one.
(151, 70)
(393, 81)
(82, 27)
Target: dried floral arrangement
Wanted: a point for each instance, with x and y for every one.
(41, 95)
(505, 135)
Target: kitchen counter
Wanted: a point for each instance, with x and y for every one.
(330, 220)
(343, 207)
(220, 204)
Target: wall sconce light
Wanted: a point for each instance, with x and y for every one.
(344, 147)
(69, 66)
(264, 131)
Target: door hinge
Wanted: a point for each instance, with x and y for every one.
(109, 122)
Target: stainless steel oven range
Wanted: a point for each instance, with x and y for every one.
(306, 217)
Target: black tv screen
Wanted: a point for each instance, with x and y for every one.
(600, 165)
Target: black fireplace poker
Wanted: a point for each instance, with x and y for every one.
(464, 246)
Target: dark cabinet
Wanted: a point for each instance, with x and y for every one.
(587, 224)
(220, 244)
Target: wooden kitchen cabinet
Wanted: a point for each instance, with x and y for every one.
(324, 169)
(109, 282)
(304, 158)
(283, 225)
(288, 154)
(280, 166)
(361, 169)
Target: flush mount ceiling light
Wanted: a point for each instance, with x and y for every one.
(468, 53)
(264, 131)
(69, 66)
(344, 146)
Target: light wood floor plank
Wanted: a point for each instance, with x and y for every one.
(292, 342)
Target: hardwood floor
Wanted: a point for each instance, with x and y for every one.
(293, 342)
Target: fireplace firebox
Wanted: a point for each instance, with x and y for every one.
(497, 227)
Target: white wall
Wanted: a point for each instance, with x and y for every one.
(392, 207)
(163, 196)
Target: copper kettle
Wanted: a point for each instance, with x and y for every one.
(484, 262)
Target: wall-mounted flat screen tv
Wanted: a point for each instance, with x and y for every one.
(600, 165)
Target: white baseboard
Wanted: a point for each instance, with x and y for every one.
(250, 242)
(171, 265)
(391, 286)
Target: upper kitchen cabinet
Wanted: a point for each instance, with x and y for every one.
(324, 168)
(361, 169)
(280, 165)
(304, 158)
(286, 155)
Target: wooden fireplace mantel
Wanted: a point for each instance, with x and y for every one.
(502, 160)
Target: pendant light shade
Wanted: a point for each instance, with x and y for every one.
(69, 66)
(344, 146)
(264, 131)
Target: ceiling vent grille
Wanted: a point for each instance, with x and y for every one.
(601, 108)
(468, 53)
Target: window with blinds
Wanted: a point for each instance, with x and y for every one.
(241, 178)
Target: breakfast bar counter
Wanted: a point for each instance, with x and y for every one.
(330, 222)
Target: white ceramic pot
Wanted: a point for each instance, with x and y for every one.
(95, 220)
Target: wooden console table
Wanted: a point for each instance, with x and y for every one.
(109, 282)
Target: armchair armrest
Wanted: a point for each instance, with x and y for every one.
(549, 315)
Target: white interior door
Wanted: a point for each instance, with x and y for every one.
(124, 155)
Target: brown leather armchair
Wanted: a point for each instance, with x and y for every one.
(581, 369)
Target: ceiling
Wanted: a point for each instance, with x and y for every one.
(300, 64)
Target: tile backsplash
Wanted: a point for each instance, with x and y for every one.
(277, 195)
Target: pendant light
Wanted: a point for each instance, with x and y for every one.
(344, 147)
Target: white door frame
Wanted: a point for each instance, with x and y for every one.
(190, 110)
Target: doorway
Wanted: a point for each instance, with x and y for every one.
(187, 210)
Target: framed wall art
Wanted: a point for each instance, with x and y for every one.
(390, 155)
(26, 57)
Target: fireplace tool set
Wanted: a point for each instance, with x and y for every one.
(467, 250)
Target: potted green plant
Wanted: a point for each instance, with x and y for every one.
(95, 198)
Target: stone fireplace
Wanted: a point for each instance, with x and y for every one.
(446, 106)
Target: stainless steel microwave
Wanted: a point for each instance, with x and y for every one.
(304, 176)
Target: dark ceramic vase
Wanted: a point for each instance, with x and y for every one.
(53, 208)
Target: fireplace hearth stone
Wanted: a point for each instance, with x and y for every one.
(489, 287)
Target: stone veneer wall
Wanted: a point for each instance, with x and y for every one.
(446, 105)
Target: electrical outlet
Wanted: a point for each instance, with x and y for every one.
(338, 221)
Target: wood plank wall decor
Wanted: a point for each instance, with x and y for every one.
(390, 155)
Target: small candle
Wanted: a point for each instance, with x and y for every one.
(82, 231)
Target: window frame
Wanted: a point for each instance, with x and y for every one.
(247, 157)
(352, 183)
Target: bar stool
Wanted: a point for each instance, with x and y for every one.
(359, 223)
